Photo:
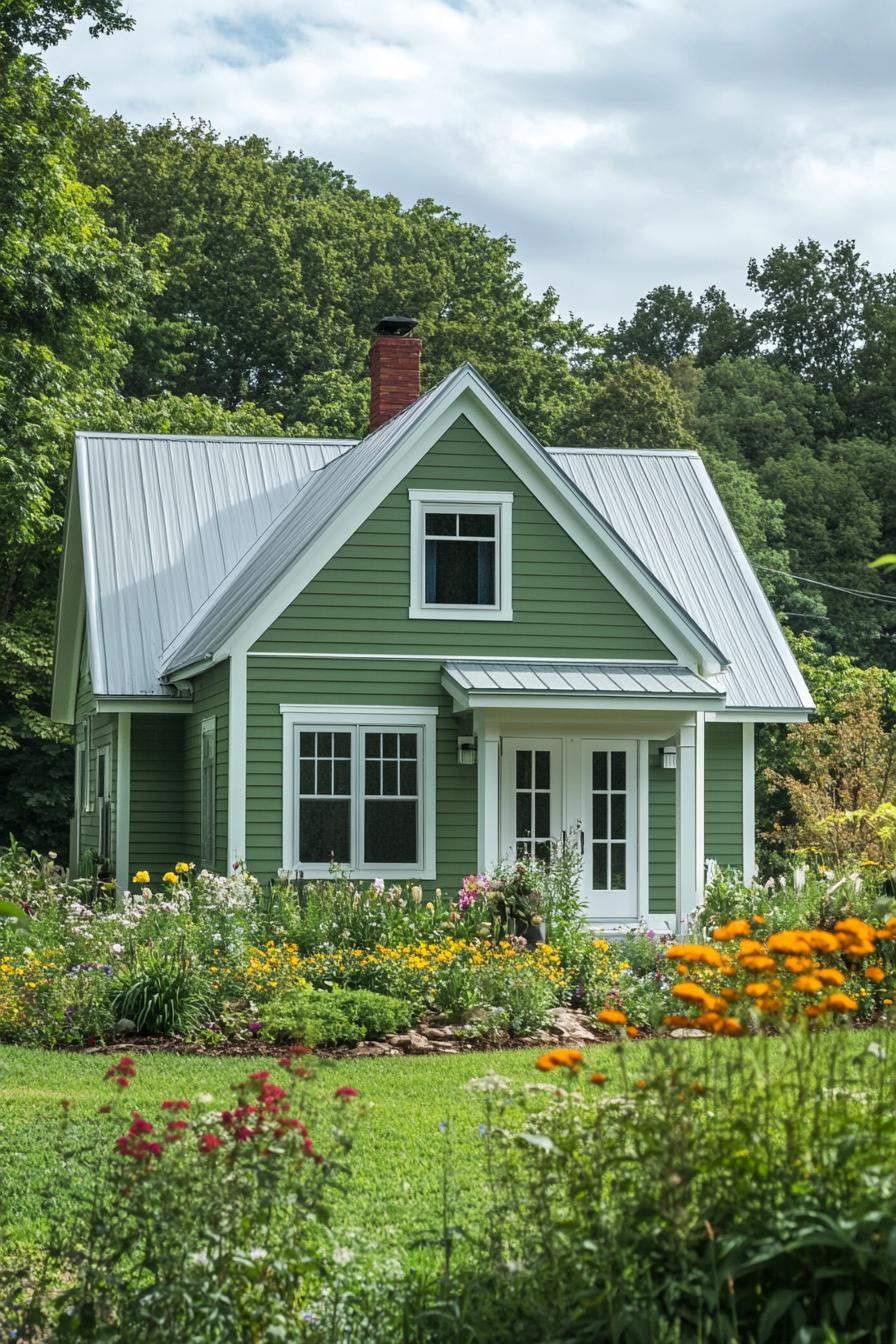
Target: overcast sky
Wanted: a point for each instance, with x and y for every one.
(622, 143)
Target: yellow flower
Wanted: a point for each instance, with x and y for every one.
(181, 867)
(170, 878)
(142, 877)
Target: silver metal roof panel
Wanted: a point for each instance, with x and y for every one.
(573, 680)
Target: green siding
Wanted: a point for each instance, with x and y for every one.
(104, 733)
(336, 682)
(723, 792)
(562, 605)
(211, 698)
(158, 831)
(661, 834)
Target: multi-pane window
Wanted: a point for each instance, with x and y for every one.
(359, 794)
(207, 795)
(533, 803)
(391, 810)
(461, 555)
(325, 797)
(460, 558)
(609, 810)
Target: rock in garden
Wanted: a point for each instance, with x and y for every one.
(438, 1033)
(569, 1025)
(369, 1049)
(686, 1033)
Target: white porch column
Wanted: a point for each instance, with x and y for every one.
(700, 804)
(488, 764)
(686, 835)
(123, 804)
(236, 758)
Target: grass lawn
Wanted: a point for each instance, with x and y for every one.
(397, 1160)
(399, 1154)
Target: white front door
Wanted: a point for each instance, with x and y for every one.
(531, 796)
(609, 792)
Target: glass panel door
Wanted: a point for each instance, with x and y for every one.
(609, 796)
(531, 789)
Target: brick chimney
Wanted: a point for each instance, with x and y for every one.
(394, 369)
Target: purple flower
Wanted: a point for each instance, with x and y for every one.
(255, 1028)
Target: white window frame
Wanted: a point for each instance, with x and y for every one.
(208, 731)
(359, 719)
(103, 754)
(87, 748)
(497, 503)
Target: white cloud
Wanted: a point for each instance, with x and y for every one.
(623, 143)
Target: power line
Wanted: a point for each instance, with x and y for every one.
(835, 587)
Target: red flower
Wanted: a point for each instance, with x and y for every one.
(346, 1092)
(242, 1133)
(140, 1126)
(174, 1125)
(175, 1105)
(122, 1082)
(209, 1142)
(261, 1077)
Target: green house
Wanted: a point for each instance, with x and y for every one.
(414, 654)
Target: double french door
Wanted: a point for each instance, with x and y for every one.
(587, 790)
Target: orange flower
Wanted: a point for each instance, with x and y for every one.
(696, 954)
(799, 964)
(546, 1063)
(731, 1027)
(839, 1003)
(769, 1005)
(735, 928)
(813, 1009)
(692, 993)
(790, 942)
(822, 941)
(730, 995)
(875, 974)
(750, 945)
(640, 1084)
(613, 1017)
(807, 984)
(677, 1020)
(858, 947)
(758, 919)
(860, 931)
(829, 975)
(598, 1078)
(707, 1021)
(758, 989)
(631, 1031)
(755, 961)
(888, 1003)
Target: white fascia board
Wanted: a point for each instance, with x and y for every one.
(472, 398)
(141, 704)
(735, 715)
(70, 612)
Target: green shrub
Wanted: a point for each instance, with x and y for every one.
(163, 993)
(336, 1017)
(523, 996)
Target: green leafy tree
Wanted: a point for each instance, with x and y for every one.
(630, 405)
(668, 324)
(749, 410)
(280, 267)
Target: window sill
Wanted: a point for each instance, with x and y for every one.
(446, 613)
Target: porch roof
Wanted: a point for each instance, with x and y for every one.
(486, 682)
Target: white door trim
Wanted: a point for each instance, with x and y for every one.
(509, 746)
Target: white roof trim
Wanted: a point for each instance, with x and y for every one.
(463, 393)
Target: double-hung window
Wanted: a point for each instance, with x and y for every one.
(460, 555)
(359, 790)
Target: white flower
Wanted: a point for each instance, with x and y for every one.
(200, 1258)
(491, 1082)
(342, 1255)
(257, 1253)
(116, 947)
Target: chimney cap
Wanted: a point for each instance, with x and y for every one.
(396, 326)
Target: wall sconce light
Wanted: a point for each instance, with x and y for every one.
(466, 751)
(669, 757)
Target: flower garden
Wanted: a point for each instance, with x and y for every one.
(711, 1161)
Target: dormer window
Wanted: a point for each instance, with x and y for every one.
(460, 555)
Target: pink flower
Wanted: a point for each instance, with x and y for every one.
(346, 1092)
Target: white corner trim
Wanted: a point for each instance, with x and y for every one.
(488, 764)
(686, 828)
(236, 759)
(123, 803)
(749, 802)
(360, 717)
(497, 503)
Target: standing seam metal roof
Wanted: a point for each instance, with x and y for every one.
(585, 678)
(172, 527)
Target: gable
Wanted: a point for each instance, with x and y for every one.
(562, 604)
